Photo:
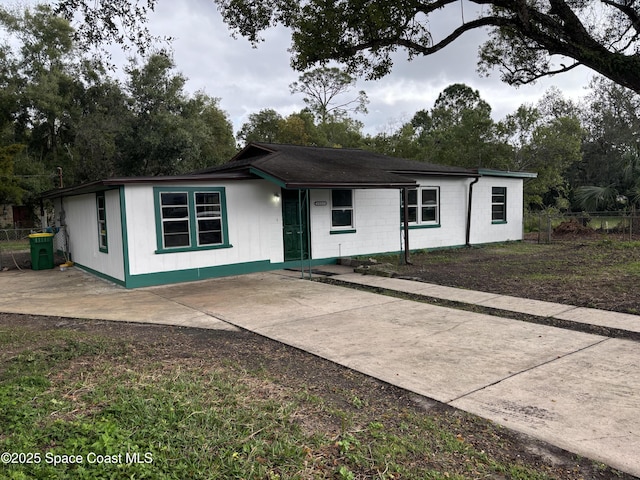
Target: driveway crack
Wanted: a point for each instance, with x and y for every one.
(529, 369)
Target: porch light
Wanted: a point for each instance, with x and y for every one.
(276, 197)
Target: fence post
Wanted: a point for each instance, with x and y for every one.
(548, 228)
(540, 227)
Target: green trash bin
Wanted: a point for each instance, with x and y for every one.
(41, 250)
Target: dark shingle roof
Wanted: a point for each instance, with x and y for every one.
(307, 167)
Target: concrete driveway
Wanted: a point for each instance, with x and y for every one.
(575, 390)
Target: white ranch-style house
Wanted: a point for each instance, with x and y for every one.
(281, 206)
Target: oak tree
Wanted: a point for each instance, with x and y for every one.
(528, 39)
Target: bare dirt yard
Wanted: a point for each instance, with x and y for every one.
(596, 273)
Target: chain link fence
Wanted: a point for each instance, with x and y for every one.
(15, 247)
(545, 227)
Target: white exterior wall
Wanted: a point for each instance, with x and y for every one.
(81, 218)
(376, 216)
(453, 215)
(254, 222)
(482, 229)
(377, 221)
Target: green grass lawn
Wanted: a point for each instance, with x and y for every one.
(14, 245)
(108, 408)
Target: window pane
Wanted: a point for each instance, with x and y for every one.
(210, 238)
(175, 212)
(413, 214)
(497, 212)
(176, 227)
(429, 197)
(341, 198)
(208, 225)
(173, 198)
(208, 211)
(209, 232)
(341, 218)
(207, 198)
(178, 240)
(498, 194)
(429, 214)
(413, 197)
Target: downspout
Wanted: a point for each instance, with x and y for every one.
(468, 233)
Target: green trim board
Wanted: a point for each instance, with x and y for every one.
(205, 273)
(193, 233)
(487, 172)
(266, 176)
(420, 227)
(340, 232)
(195, 274)
(104, 276)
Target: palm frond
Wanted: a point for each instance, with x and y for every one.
(592, 197)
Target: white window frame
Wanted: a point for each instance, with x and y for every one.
(196, 214)
(420, 204)
(167, 220)
(204, 215)
(343, 208)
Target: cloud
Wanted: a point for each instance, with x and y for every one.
(248, 79)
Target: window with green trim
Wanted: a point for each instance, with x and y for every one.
(423, 205)
(101, 210)
(190, 218)
(499, 204)
(342, 209)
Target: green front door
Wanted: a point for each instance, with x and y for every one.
(295, 224)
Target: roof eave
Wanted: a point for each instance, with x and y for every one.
(349, 185)
(468, 174)
(487, 172)
(111, 183)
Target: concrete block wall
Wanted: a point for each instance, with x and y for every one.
(453, 215)
(483, 230)
(376, 224)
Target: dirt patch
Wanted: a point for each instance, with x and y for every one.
(276, 370)
(573, 228)
(587, 273)
(21, 260)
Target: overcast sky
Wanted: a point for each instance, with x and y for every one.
(248, 79)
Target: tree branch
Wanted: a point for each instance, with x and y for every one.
(426, 50)
(628, 10)
(533, 76)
